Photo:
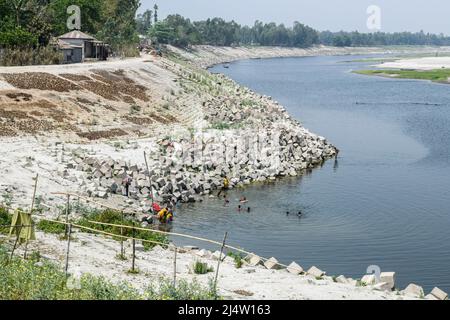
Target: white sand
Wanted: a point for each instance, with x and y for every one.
(419, 64)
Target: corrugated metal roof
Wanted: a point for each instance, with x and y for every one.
(64, 45)
(76, 34)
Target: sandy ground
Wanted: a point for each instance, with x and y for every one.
(419, 64)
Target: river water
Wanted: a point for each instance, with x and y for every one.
(385, 202)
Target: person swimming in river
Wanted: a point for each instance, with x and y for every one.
(243, 200)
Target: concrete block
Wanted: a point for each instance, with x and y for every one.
(388, 277)
(203, 253)
(272, 264)
(431, 297)
(414, 290)
(382, 286)
(439, 294)
(315, 272)
(254, 260)
(369, 279)
(218, 255)
(341, 279)
(294, 268)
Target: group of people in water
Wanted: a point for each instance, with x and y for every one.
(165, 215)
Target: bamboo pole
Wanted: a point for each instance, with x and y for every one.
(122, 249)
(220, 260)
(175, 268)
(68, 249)
(134, 252)
(31, 212)
(67, 214)
(149, 178)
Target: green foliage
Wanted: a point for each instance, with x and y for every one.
(17, 38)
(165, 290)
(439, 75)
(356, 39)
(5, 220)
(181, 32)
(202, 268)
(238, 259)
(29, 280)
(34, 279)
(51, 227)
(114, 217)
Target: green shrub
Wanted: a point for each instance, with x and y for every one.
(5, 220)
(114, 217)
(51, 227)
(238, 259)
(165, 290)
(202, 268)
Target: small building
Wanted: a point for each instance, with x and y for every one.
(78, 47)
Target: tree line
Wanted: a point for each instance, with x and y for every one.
(179, 31)
(33, 23)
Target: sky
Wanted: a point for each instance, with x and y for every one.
(334, 15)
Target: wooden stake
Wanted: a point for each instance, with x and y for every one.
(67, 215)
(220, 260)
(122, 250)
(175, 268)
(149, 178)
(134, 251)
(68, 248)
(31, 211)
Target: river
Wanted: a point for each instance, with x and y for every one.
(384, 202)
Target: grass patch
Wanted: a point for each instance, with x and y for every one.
(436, 75)
(114, 217)
(51, 227)
(202, 268)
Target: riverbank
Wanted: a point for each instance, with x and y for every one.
(194, 125)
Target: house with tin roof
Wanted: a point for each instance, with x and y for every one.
(79, 47)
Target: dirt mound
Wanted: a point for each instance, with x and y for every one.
(97, 135)
(39, 81)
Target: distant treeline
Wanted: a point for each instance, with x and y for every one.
(33, 23)
(179, 31)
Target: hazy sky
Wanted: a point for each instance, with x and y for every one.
(396, 15)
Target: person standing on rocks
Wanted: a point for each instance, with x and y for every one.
(226, 185)
(126, 182)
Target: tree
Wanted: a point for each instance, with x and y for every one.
(144, 22)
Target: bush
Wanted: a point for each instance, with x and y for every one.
(238, 259)
(5, 220)
(184, 290)
(202, 268)
(28, 56)
(114, 217)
